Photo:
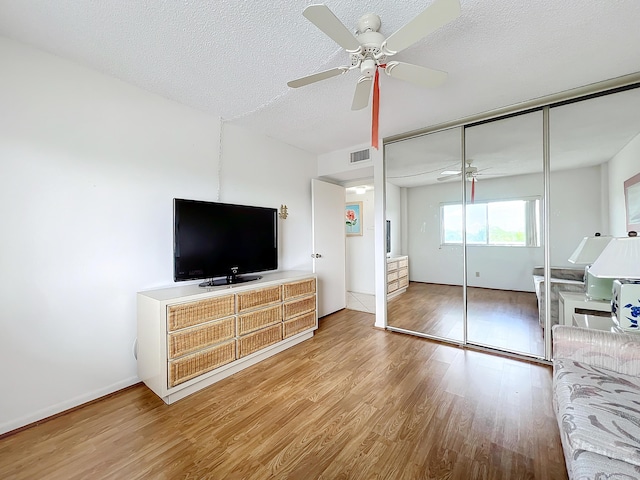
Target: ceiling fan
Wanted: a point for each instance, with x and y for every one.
(370, 50)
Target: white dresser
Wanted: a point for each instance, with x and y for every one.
(191, 337)
(397, 275)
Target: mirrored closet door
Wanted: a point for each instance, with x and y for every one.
(466, 210)
(423, 183)
(594, 149)
(504, 251)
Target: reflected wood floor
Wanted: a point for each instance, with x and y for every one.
(354, 402)
(498, 318)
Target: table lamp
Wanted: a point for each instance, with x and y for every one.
(587, 252)
(620, 260)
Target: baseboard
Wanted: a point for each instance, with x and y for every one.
(13, 426)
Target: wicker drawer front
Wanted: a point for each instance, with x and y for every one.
(189, 314)
(299, 307)
(250, 322)
(255, 341)
(391, 276)
(191, 366)
(392, 287)
(402, 263)
(193, 339)
(403, 282)
(259, 298)
(391, 266)
(299, 324)
(298, 289)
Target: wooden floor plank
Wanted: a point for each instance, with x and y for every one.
(502, 319)
(353, 402)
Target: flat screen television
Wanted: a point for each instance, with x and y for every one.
(223, 242)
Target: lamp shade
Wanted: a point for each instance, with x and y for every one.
(619, 259)
(589, 249)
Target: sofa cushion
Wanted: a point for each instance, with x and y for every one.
(589, 466)
(599, 410)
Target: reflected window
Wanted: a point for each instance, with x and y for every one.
(513, 223)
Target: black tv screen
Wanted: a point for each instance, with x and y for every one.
(214, 240)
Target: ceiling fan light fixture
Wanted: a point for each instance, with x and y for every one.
(368, 67)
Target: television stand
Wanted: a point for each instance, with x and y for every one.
(229, 280)
(189, 338)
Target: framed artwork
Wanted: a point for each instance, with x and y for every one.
(353, 218)
(632, 202)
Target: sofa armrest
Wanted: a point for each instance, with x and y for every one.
(619, 352)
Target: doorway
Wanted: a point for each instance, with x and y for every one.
(360, 254)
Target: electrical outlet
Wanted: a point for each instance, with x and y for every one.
(477, 274)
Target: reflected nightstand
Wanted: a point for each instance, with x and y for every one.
(568, 302)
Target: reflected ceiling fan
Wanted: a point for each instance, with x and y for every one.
(471, 173)
(370, 50)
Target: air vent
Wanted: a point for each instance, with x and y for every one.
(360, 156)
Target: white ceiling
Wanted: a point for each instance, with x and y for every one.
(233, 58)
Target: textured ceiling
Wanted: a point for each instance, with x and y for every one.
(233, 58)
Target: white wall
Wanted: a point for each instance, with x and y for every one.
(428, 261)
(575, 210)
(623, 166)
(394, 214)
(574, 215)
(257, 170)
(89, 167)
(360, 268)
(338, 162)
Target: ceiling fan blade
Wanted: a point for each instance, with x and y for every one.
(421, 76)
(316, 77)
(325, 20)
(451, 172)
(439, 13)
(362, 93)
(450, 176)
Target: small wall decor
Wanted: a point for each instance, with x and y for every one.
(353, 218)
(632, 202)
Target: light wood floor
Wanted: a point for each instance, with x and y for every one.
(498, 318)
(354, 402)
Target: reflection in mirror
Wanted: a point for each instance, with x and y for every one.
(594, 149)
(505, 188)
(424, 175)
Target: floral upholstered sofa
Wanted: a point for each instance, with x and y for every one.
(596, 398)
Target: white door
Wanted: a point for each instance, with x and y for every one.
(329, 245)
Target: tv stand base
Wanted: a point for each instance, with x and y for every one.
(216, 282)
